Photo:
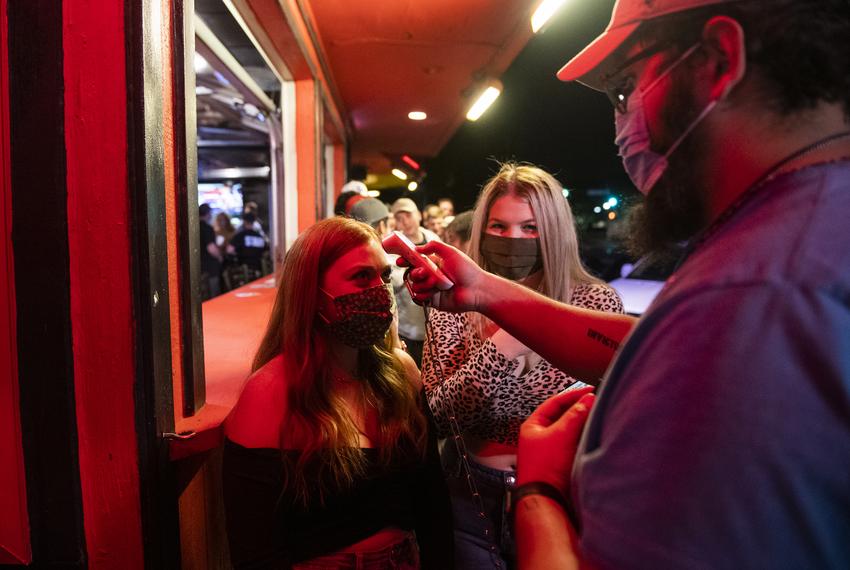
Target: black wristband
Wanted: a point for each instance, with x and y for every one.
(538, 488)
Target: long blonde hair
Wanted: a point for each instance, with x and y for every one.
(562, 266)
(328, 438)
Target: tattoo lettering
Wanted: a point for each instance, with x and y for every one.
(599, 337)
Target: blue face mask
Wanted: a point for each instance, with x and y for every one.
(643, 165)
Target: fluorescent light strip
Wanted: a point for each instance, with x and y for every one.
(399, 174)
(544, 11)
(483, 103)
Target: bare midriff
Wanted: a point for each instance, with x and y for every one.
(491, 454)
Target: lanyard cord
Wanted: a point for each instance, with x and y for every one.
(460, 444)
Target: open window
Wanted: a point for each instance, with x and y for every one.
(237, 124)
(227, 151)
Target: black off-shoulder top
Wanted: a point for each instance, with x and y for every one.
(267, 529)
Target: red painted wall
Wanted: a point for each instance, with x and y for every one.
(101, 303)
(305, 142)
(14, 532)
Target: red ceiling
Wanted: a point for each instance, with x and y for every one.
(389, 57)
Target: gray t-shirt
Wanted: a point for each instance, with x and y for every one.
(721, 436)
(411, 317)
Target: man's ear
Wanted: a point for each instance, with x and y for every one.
(725, 42)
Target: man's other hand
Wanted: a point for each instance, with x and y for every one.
(549, 438)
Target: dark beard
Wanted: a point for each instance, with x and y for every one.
(674, 211)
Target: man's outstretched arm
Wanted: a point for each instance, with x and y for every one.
(579, 341)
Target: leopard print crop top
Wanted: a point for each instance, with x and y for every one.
(490, 395)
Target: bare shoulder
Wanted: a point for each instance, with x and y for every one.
(256, 418)
(411, 371)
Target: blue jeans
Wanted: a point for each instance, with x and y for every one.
(474, 549)
(403, 555)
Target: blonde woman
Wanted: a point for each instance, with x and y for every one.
(523, 230)
(329, 461)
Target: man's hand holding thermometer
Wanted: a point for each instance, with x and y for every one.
(400, 245)
(440, 274)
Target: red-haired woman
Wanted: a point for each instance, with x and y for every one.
(329, 461)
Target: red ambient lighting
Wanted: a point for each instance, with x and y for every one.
(412, 163)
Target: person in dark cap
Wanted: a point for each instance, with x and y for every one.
(345, 201)
(373, 212)
(721, 434)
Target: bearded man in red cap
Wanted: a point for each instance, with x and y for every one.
(720, 437)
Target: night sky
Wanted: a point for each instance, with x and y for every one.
(566, 129)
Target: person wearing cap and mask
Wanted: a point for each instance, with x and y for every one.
(411, 318)
(721, 435)
(474, 371)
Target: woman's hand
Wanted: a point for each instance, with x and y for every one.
(467, 277)
(548, 439)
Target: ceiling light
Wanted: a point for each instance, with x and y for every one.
(399, 174)
(490, 94)
(413, 185)
(544, 11)
(373, 193)
(417, 115)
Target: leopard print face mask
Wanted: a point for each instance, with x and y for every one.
(362, 318)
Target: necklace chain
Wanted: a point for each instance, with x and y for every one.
(755, 188)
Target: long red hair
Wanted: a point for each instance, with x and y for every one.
(327, 436)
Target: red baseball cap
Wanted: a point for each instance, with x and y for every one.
(589, 65)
